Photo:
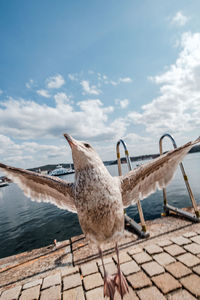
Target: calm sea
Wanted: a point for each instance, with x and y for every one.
(25, 225)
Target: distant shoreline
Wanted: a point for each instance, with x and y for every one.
(48, 168)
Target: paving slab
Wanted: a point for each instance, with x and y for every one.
(32, 284)
(197, 270)
(153, 249)
(139, 280)
(192, 284)
(180, 240)
(196, 239)
(134, 250)
(164, 243)
(164, 259)
(189, 259)
(95, 294)
(178, 270)
(92, 281)
(123, 257)
(150, 293)
(12, 293)
(68, 271)
(166, 283)
(174, 250)
(189, 234)
(153, 268)
(72, 281)
(142, 257)
(129, 268)
(181, 295)
(129, 296)
(52, 293)
(111, 268)
(31, 293)
(74, 294)
(51, 281)
(106, 261)
(89, 268)
(193, 248)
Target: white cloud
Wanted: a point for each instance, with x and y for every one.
(177, 109)
(104, 79)
(61, 98)
(1, 92)
(179, 19)
(8, 146)
(113, 82)
(10, 152)
(125, 80)
(93, 90)
(134, 138)
(31, 124)
(117, 82)
(30, 154)
(43, 93)
(30, 120)
(55, 82)
(122, 103)
(72, 77)
(30, 84)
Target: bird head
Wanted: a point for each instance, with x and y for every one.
(84, 156)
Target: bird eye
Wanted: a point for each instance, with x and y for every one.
(87, 145)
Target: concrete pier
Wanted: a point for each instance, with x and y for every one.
(164, 266)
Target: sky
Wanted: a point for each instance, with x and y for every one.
(100, 71)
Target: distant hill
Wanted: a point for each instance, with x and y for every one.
(110, 162)
(195, 149)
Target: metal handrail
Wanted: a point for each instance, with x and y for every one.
(142, 220)
(118, 157)
(183, 173)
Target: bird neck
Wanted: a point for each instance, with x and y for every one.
(91, 171)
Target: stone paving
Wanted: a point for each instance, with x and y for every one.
(166, 268)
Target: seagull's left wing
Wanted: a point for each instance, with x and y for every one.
(143, 181)
(42, 188)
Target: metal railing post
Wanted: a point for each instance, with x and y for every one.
(143, 230)
(184, 176)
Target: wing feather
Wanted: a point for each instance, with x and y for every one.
(42, 188)
(143, 181)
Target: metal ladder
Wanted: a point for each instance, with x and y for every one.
(140, 230)
(167, 207)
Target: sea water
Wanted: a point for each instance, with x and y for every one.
(26, 225)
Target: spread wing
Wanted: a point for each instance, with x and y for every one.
(42, 188)
(143, 181)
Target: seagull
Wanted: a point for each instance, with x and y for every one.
(97, 197)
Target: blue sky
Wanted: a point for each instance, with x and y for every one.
(99, 70)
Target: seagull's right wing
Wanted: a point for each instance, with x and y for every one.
(42, 188)
(143, 181)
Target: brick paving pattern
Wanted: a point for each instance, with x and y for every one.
(166, 269)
